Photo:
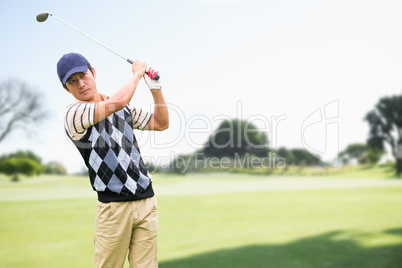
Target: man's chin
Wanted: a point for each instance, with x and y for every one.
(85, 96)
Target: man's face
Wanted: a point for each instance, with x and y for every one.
(83, 86)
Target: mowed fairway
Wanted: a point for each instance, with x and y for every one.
(216, 220)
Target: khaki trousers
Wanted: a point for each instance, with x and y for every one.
(127, 226)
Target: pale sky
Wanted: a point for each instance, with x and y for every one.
(306, 72)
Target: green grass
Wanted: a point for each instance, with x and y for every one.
(386, 170)
(52, 223)
(323, 228)
(47, 233)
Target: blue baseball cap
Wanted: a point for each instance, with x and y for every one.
(70, 64)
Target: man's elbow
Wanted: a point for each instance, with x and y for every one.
(116, 103)
(163, 126)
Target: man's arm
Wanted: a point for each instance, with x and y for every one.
(122, 97)
(160, 118)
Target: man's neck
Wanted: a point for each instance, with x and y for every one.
(99, 97)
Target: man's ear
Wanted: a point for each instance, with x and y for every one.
(93, 72)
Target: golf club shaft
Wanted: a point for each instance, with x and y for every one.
(93, 39)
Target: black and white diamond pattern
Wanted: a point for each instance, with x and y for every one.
(115, 163)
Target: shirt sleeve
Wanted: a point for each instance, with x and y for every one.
(78, 118)
(140, 118)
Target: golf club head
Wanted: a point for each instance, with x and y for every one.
(41, 17)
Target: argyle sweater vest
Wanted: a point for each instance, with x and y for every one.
(111, 153)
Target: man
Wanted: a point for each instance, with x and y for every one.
(102, 130)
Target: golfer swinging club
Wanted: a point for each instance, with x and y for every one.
(102, 130)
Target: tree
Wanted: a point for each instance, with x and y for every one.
(21, 163)
(354, 151)
(285, 154)
(20, 105)
(22, 154)
(385, 122)
(362, 153)
(55, 168)
(373, 155)
(17, 166)
(298, 157)
(301, 157)
(236, 137)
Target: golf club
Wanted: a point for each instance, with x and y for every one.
(41, 17)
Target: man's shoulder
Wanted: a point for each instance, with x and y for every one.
(78, 107)
(74, 104)
(78, 117)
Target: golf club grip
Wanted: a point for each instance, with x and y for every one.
(156, 76)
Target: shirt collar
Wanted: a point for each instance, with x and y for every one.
(103, 96)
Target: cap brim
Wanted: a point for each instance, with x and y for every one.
(79, 69)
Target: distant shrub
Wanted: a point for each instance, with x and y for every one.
(20, 166)
(55, 168)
